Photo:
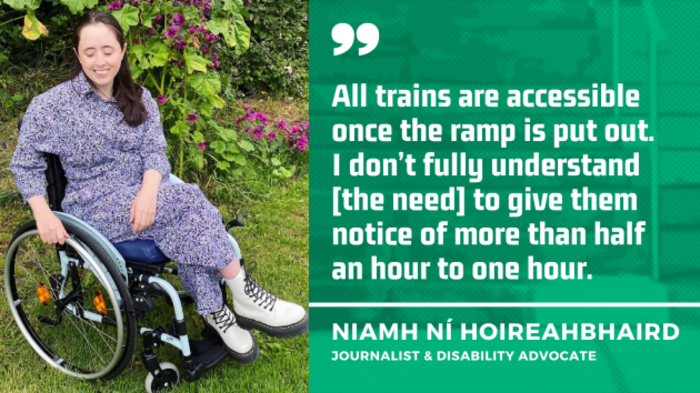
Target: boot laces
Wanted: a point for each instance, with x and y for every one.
(224, 319)
(255, 292)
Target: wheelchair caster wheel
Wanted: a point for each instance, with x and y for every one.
(171, 377)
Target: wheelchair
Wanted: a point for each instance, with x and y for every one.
(98, 291)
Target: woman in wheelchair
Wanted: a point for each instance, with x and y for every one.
(106, 131)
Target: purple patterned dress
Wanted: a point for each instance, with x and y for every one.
(104, 160)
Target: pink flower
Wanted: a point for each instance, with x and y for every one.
(149, 32)
(258, 132)
(282, 125)
(301, 143)
(271, 136)
(115, 5)
(216, 63)
(192, 118)
(295, 129)
(162, 99)
(250, 116)
(240, 119)
(172, 31)
(246, 106)
(179, 19)
(202, 146)
(261, 116)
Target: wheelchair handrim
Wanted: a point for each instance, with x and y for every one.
(97, 270)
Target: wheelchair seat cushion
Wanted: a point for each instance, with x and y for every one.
(141, 250)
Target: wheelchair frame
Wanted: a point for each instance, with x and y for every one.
(143, 283)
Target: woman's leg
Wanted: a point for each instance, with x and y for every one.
(199, 243)
(231, 270)
(189, 230)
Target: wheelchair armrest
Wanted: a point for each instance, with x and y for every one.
(175, 179)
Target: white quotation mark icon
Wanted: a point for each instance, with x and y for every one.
(343, 34)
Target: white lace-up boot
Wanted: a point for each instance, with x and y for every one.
(239, 343)
(255, 308)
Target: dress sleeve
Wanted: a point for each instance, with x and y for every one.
(28, 164)
(153, 148)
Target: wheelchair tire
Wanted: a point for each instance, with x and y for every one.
(90, 255)
(171, 376)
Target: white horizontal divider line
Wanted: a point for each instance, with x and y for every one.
(503, 305)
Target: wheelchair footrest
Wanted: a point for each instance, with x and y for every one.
(205, 355)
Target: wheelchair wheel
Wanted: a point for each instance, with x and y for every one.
(171, 379)
(71, 303)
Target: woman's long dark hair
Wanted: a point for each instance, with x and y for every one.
(124, 90)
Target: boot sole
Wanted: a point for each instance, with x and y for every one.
(288, 331)
(242, 358)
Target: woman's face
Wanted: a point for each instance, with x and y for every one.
(100, 55)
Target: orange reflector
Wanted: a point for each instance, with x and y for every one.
(43, 293)
(99, 303)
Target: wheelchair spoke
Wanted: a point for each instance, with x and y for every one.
(45, 273)
(36, 281)
(100, 332)
(82, 333)
(36, 260)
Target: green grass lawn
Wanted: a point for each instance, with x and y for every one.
(275, 235)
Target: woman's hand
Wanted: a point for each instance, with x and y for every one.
(51, 230)
(143, 209)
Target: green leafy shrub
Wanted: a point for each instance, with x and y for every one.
(45, 53)
(276, 63)
(278, 59)
(269, 146)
